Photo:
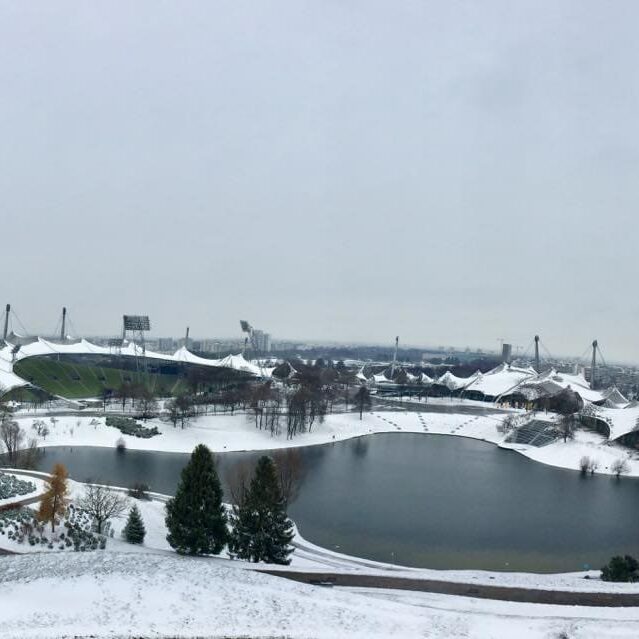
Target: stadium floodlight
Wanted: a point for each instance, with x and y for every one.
(246, 327)
(136, 323)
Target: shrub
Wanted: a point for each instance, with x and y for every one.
(621, 569)
(139, 490)
(11, 486)
(128, 426)
(120, 445)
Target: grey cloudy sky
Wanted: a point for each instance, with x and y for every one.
(452, 172)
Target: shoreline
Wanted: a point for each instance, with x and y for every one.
(312, 559)
(237, 433)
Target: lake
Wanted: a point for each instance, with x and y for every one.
(422, 500)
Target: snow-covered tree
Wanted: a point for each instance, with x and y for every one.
(262, 530)
(195, 517)
(134, 531)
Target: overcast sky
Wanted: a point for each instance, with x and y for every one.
(450, 172)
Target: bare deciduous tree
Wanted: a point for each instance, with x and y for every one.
(509, 423)
(290, 466)
(363, 400)
(620, 467)
(237, 479)
(588, 464)
(148, 404)
(28, 457)
(12, 437)
(567, 425)
(102, 504)
(181, 410)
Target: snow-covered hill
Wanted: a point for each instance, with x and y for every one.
(155, 595)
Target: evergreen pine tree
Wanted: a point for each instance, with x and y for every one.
(195, 517)
(134, 530)
(262, 530)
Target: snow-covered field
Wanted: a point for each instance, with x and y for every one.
(232, 433)
(150, 595)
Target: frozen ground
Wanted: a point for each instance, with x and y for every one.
(154, 595)
(231, 433)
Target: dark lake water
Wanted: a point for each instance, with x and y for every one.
(423, 500)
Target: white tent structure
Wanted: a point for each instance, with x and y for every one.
(452, 382)
(499, 381)
(39, 347)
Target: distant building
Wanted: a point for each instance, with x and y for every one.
(262, 341)
(210, 346)
(506, 353)
(166, 344)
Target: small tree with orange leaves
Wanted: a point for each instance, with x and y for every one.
(54, 501)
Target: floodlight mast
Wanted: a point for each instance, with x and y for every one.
(248, 329)
(138, 325)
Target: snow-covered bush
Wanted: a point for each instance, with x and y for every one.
(21, 525)
(11, 486)
(128, 426)
(511, 422)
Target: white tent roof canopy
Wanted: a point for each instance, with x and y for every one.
(10, 354)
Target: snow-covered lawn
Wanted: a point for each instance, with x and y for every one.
(585, 444)
(149, 595)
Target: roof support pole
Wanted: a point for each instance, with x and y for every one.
(6, 321)
(394, 357)
(63, 330)
(593, 364)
